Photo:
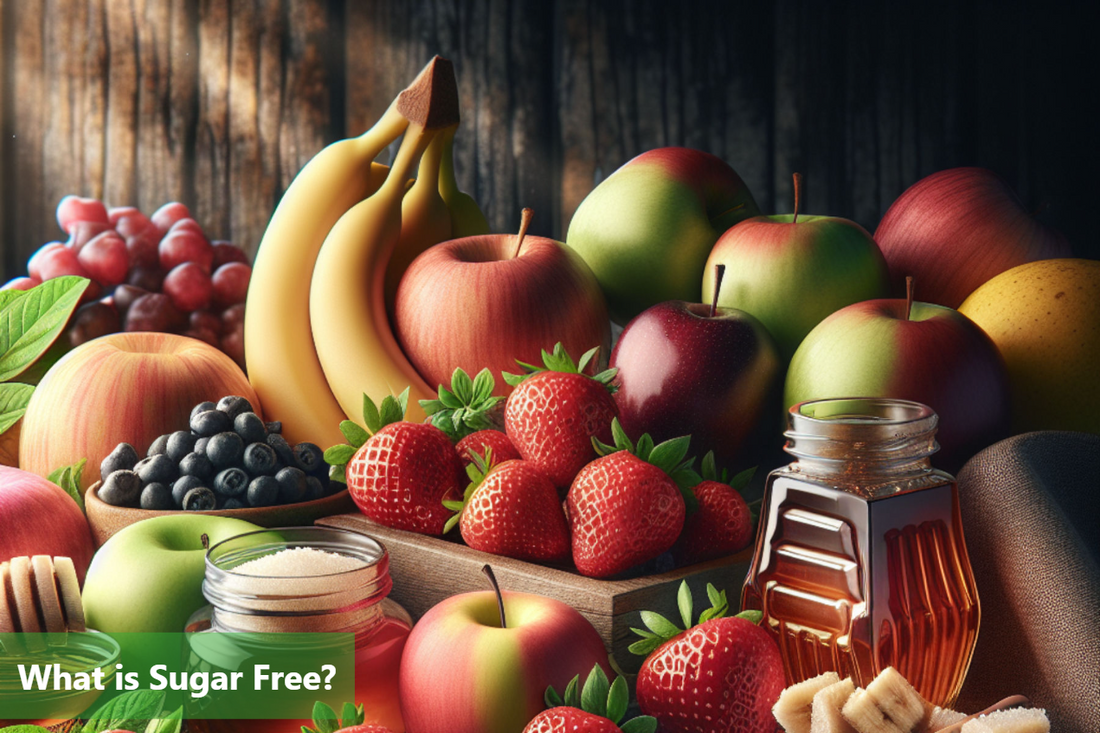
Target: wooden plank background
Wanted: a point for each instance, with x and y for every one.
(218, 103)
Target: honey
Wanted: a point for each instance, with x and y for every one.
(860, 563)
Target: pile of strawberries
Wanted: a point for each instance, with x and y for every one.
(561, 482)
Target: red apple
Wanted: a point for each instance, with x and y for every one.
(125, 387)
(958, 228)
(698, 370)
(793, 270)
(485, 301)
(913, 351)
(646, 230)
(39, 518)
(463, 671)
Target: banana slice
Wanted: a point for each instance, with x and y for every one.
(827, 704)
(1016, 720)
(7, 605)
(943, 717)
(792, 710)
(22, 583)
(69, 587)
(48, 600)
(888, 705)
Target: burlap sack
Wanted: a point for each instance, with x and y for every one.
(1031, 512)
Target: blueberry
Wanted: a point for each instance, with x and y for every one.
(202, 407)
(122, 458)
(211, 422)
(309, 458)
(200, 445)
(157, 469)
(260, 460)
(234, 405)
(183, 485)
(292, 485)
(250, 427)
(157, 497)
(282, 449)
(263, 491)
(197, 464)
(232, 503)
(199, 499)
(122, 488)
(159, 446)
(274, 426)
(180, 443)
(225, 450)
(314, 489)
(231, 482)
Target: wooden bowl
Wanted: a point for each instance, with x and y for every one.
(106, 520)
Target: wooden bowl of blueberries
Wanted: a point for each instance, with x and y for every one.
(229, 463)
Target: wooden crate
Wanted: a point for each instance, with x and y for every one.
(426, 570)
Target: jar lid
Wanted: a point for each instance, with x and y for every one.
(878, 429)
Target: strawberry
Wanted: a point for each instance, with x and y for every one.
(467, 407)
(511, 509)
(596, 709)
(351, 720)
(554, 412)
(628, 506)
(483, 441)
(397, 472)
(721, 676)
(723, 523)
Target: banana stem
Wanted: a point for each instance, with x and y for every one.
(448, 184)
(413, 146)
(430, 164)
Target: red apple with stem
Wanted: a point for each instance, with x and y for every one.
(698, 370)
(959, 228)
(913, 351)
(488, 300)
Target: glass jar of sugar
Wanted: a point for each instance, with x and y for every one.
(309, 579)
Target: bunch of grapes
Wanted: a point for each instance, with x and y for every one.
(157, 273)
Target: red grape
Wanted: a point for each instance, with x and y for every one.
(137, 223)
(185, 246)
(26, 283)
(233, 345)
(35, 262)
(92, 321)
(231, 283)
(84, 232)
(125, 295)
(59, 262)
(146, 278)
(188, 287)
(203, 334)
(73, 209)
(154, 312)
(105, 258)
(226, 252)
(115, 213)
(206, 321)
(169, 214)
(142, 249)
(187, 225)
(233, 317)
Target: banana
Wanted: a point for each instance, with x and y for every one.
(425, 220)
(282, 364)
(888, 705)
(827, 704)
(792, 709)
(466, 217)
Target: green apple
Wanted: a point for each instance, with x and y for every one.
(646, 230)
(148, 576)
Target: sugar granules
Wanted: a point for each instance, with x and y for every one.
(299, 562)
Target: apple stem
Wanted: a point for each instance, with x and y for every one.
(524, 222)
(908, 296)
(205, 539)
(719, 273)
(797, 195)
(496, 586)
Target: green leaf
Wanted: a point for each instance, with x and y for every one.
(572, 695)
(462, 386)
(617, 700)
(430, 407)
(451, 523)
(644, 646)
(586, 358)
(14, 398)
(351, 715)
(659, 625)
(512, 380)
(371, 418)
(483, 386)
(339, 455)
(390, 411)
(622, 440)
(708, 468)
(172, 724)
(338, 472)
(683, 601)
(594, 694)
(753, 616)
(713, 595)
(403, 402)
(129, 711)
(603, 449)
(354, 434)
(21, 728)
(668, 455)
(449, 399)
(68, 478)
(644, 447)
(324, 717)
(741, 480)
(31, 322)
(7, 296)
(454, 506)
(552, 698)
(641, 724)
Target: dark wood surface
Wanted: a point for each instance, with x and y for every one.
(219, 102)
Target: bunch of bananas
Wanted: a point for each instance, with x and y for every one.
(317, 334)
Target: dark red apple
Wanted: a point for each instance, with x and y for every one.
(958, 228)
(694, 369)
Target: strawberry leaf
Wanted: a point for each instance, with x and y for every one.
(683, 601)
(483, 386)
(617, 700)
(622, 440)
(741, 480)
(668, 455)
(352, 715)
(552, 698)
(560, 361)
(644, 448)
(339, 455)
(753, 616)
(641, 724)
(338, 473)
(354, 434)
(572, 693)
(659, 625)
(586, 358)
(594, 694)
(713, 595)
(324, 718)
(371, 418)
(465, 407)
(708, 468)
(645, 646)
